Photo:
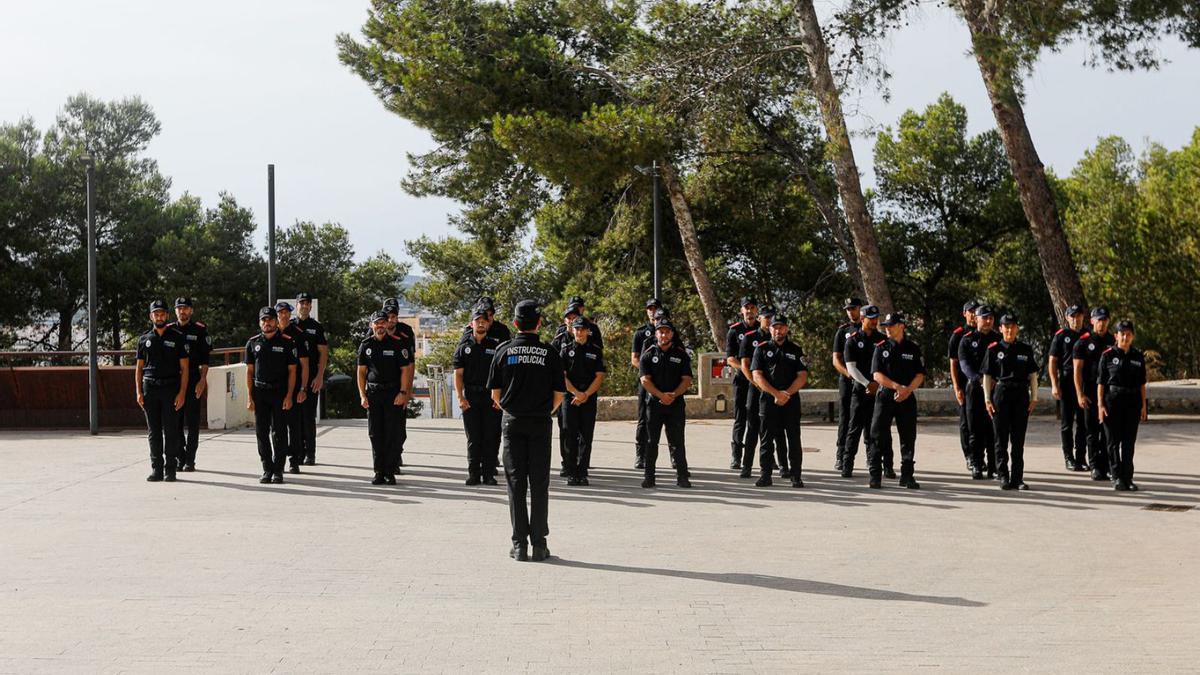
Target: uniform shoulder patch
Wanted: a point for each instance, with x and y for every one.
(880, 342)
(958, 330)
(1107, 350)
(993, 345)
(1060, 331)
(1085, 336)
(285, 335)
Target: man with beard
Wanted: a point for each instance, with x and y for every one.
(780, 373)
(666, 374)
(283, 312)
(318, 359)
(384, 387)
(199, 345)
(480, 415)
(271, 360)
(738, 331)
(161, 382)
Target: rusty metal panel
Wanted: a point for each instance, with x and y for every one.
(56, 397)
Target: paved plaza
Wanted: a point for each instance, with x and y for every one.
(103, 572)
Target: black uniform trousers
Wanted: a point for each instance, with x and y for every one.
(983, 434)
(964, 429)
(1097, 445)
(482, 424)
(383, 426)
(1011, 401)
(270, 427)
(295, 442)
(753, 428)
(561, 420)
(189, 426)
(674, 418)
(400, 437)
(845, 391)
(527, 471)
(1072, 426)
(1123, 406)
(162, 423)
(580, 425)
(781, 431)
(862, 407)
(640, 431)
(741, 390)
(308, 424)
(905, 415)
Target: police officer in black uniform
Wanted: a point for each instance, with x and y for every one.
(845, 382)
(1062, 387)
(526, 380)
(1010, 384)
(666, 374)
(272, 361)
(857, 354)
(496, 329)
(408, 336)
(283, 312)
(480, 415)
(384, 389)
(1086, 358)
(754, 437)
(899, 368)
(959, 379)
(161, 383)
(583, 362)
(738, 331)
(643, 337)
(195, 333)
(562, 337)
(780, 373)
(1121, 390)
(318, 359)
(575, 308)
(971, 351)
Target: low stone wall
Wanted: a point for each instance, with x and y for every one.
(822, 403)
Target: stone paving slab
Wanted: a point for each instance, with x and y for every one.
(103, 572)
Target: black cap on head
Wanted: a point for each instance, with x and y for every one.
(851, 303)
(527, 310)
(267, 312)
(486, 302)
(577, 300)
(653, 302)
(580, 322)
(894, 319)
(1125, 324)
(304, 297)
(158, 304)
(1100, 313)
(571, 309)
(391, 302)
(983, 310)
(477, 313)
(661, 312)
(970, 306)
(379, 315)
(779, 320)
(749, 300)
(664, 323)
(1072, 310)
(183, 302)
(1008, 320)
(767, 311)
(283, 305)
(870, 311)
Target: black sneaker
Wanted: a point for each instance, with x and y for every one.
(639, 464)
(647, 482)
(683, 482)
(473, 480)
(1121, 486)
(796, 482)
(540, 553)
(1007, 485)
(735, 463)
(572, 481)
(155, 476)
(188, 468)
(763, 481)
(847, 471)
(839, 466)
(976, 475)
(310, 461)
(378, 479)
(277, 478)
(785, 472)
(889, 473)
(295, 468)
(1071, 465)
(1021, 485)
(169, 477)
(583, 481)
(1132, 485)
(875, 483)
(519, 552)
(490, 480)
(912, 484)
(389, 479)
(266, 477)
(746, 472)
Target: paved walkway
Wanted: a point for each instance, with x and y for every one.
(103, 572)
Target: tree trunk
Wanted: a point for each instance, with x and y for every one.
(1037, 199)
(858, 219)
(695, 258)
(66, 316)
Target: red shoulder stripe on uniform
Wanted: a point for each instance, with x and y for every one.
(1061, 331)
(993, 345)
(958, 330)
(200, 324)
(1107, 350)
(285, 335)
(1085, 336)
(880, 342)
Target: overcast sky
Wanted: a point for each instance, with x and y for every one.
(240, 84)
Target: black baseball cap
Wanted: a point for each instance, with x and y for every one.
(486, 302)
(183, 302)
(527, 309)
(851, 303)
(661, 312)
(653, 302)
(749, 300)
(1072, 310)
(580, 322)
(1124, 324)
(779, 320)
(1008, 319)
(893, 319)
(283, 305)
(870, 311)
(267, 312)
(970, 306)
(766, 310)
(664, 323)
(379, 315)
(158, 304)
(1100, 313)
(478, 312)
(577, 300)
(304, 297)
(983, 310)
(571, 309)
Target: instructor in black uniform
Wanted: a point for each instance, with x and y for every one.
(860, 348)
(384, 388)
(780, 373)
(666, 373)
(845, 382)
(161, 382)
(971, 351)
(1062, 388)
(899, 368)
(1010, 382)
(583, 362)
(199, 345)
(526, 381)
(754, 438)
(480, 415)
(1086, 357)
(1121, 391)
(271, 362)
(741, 386)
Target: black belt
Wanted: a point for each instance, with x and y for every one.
(383, 386)
(1117, 388)
(269, 386)
(1013, 383)
(161, 382)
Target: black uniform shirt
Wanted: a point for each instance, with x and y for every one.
(497, 331)
(752, 341)
(1010, 362)
(271, 358)
(385, 360)
(527, 372)
(643, 337)
(899, 361)
(581, 363)
(199, 346)
(475, 358)
(314, 336)
(780, 363)
(594, 335)
(859, 349)
(956, 339)
(1062, 347)
(666, 368)
(971, 351)
(733, 338)
(300, 338)
(161, 354)
(407, 336)
(1088, 348)
(840, 336)
(1122, 369)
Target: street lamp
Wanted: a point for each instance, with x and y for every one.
(653, 171)
(93, 366)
